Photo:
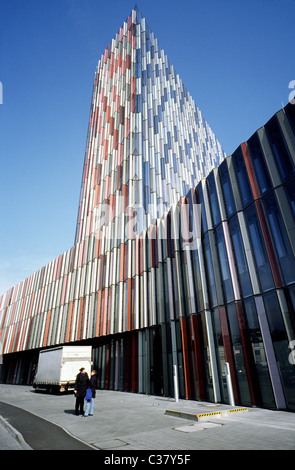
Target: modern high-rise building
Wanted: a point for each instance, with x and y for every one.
(183, 260)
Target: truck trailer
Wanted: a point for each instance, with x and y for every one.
(58, 367)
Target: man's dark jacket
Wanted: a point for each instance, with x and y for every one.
(92, 384)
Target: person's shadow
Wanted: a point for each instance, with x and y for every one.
(69, 412)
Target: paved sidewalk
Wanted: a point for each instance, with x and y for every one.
(128, 422)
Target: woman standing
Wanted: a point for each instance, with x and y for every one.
(90, 403)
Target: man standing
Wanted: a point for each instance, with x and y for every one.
(81, 384)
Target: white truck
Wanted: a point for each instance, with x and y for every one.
(58, 367)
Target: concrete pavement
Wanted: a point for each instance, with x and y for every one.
(132, 422)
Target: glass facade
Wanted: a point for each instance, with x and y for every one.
(203, 275)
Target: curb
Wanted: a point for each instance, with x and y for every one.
(204, 416)
(15, 434)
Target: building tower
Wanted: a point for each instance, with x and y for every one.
(148, 143)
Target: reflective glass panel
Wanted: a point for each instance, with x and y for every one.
(259, 355)
(281, 346)
(241, 261)
(259, 164)
(227, 189)
(238, 353)
(242, 177)
(210, 273)
(290, 111)
(225, 272)
(213, 199)
(280, 238)
(259, 249)
(220, 354)
(290, 191)
(280, 150)
(200, 200)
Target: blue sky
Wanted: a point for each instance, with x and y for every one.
(235, 57)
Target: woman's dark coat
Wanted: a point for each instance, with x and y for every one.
(81, 384)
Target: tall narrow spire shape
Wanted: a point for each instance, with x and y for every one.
(148, 143)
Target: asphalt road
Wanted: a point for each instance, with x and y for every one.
(39, 433)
